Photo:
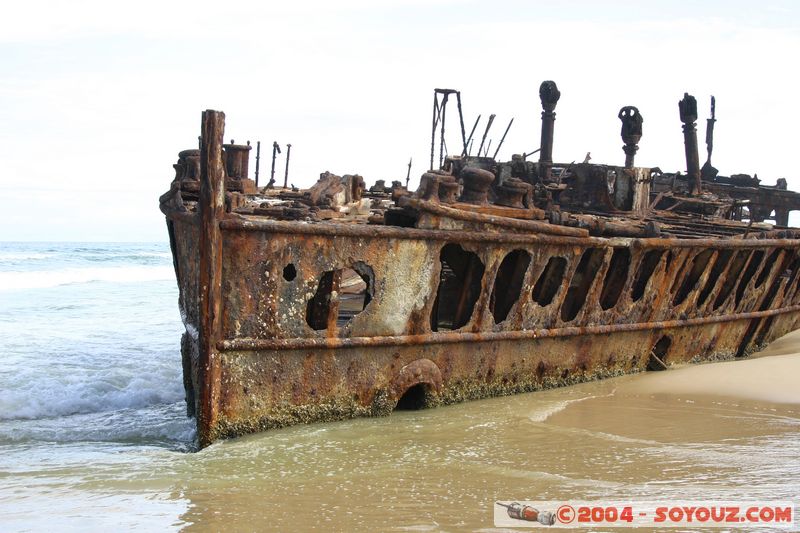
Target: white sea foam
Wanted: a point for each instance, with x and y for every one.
(165, 255)
(157, 422)
(23, 256)
(61, 392)
(546, 411)
(53, 278)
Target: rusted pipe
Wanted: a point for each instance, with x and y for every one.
(468, 216)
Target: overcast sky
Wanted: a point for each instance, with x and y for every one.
(98, 97)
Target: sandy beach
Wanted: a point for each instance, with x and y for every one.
(770, 375)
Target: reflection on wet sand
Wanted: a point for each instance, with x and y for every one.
(716, 431)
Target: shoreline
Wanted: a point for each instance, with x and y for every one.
(766, 376)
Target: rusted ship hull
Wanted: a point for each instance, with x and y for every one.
(449, 312)
(270, 370)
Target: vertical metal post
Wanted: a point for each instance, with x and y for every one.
(258, 158)
(443, 108)
(434, 122)
(461, 119)
(286, 175)
(276, 149)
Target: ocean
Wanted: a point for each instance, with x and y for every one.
(94, 436)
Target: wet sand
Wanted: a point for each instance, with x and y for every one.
(772, 375)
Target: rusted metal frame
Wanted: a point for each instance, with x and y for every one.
(540, 257)
(725, 306)
(684, 271)
(211, 208)
(698, 229)
(442, 146)
(776, 285)
(625, 306)
(698, 224)
(461, 306)
(773, 283)
(792, 287)
(561, 296)
(708, 306)
(333, 310)
(241, 344)
(476, 320)
(755, 304)
(461, 121)
(637, 264)
(187, 217)
(609, 280)
(433, 125)
(662, 280)
(733, 303)
(491, 286)
(689, 305)
(795, 291)
(573, 260)
(776, 198)
(245, 223)
(624, 302)
(703, 282)
(758, 328)
(173, 248)
(591, 303)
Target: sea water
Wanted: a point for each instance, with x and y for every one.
(94, 437)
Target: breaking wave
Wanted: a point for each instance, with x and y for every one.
(53, 278)
(22, 256)
(64, 391)
(157, 423)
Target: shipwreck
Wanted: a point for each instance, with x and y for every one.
(491, 278)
